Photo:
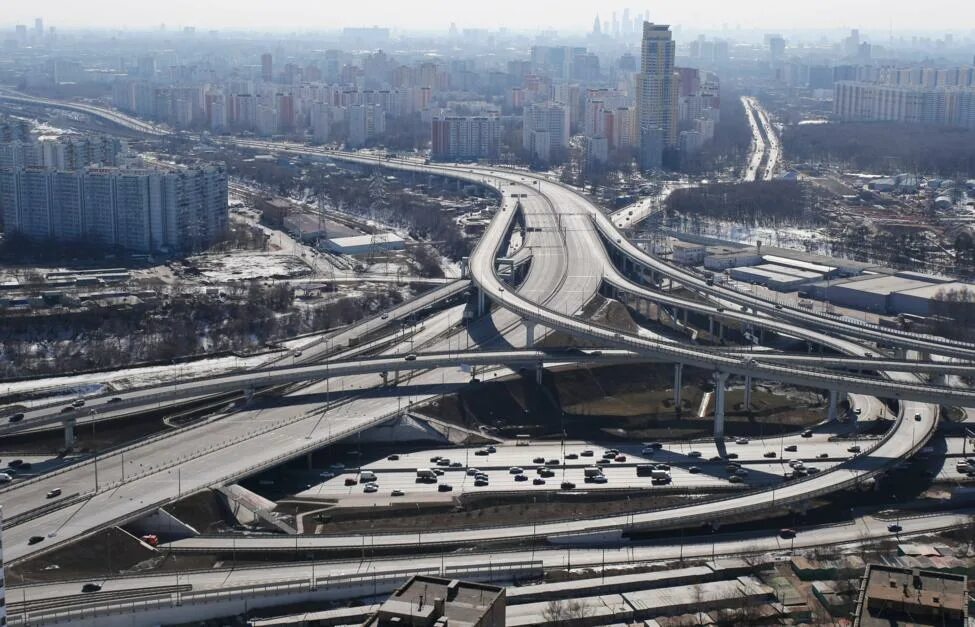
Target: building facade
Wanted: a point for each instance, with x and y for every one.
(459, 138)
(656, 84)
(137, 209)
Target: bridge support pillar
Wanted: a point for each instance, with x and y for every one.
(385, 377)
(69, 439)
(720, 331)
(249, 394)
(720, 379)
(395, 377)
(748, 392)
(529, 333)
(481, 302)
(833, 397)
(678, 383)
(710, 324)
(685, 317)
(539, 373)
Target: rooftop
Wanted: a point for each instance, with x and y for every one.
(426, 599)
(891, 597)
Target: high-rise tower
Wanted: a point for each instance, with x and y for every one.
(656, 85)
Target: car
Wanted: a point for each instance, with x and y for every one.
(443, 461)
(370, 488)
(445, 487)
(394, 457)
(435, 459)
(620, 458)
(456, 464)
(481, 451)
(491, 449)
(67, 408)
(732, 455)
(78, 403)
(792, 448)
(15, 463)
(603, 462)
(735, 479)
(473, 472)
(769, 454)
(917, 417)
(516, 470)
(567, 485)
(894, 528)
(326, 475)
(646, 450)
(853, 449)
(587, 453)
(800, 472)
(661, 467)
(572, 456)
(823, 456)
(599, 479)
(807, 433)
(410, 357)
(35, 539)
(538, 481)
(438, 472)
(538, 460)
(397, 493)
(741, 472)
(91, 587)
(609, 455)
(787, 534)
(741, 441)
(715, 458)
(385, 316)
(351, 481)
(694, 454)
(788, 475)
(480, 483)
(796, 463)
(521, 478)
(693, 470)
(552, 462)
(546, 472)
(5, 477)
(16, 417)
(812, 470)
(53, 493)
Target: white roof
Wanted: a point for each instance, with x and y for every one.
(795, 263)
(366, 240)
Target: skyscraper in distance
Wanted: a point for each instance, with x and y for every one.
(656, 83)
(267, 69)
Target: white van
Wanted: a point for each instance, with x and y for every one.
(367, 475)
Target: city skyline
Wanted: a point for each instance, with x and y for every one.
(574, 16)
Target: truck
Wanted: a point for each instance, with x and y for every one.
(425, 474)
(367, 475)
(644, 470)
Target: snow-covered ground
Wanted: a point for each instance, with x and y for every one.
(245, 266)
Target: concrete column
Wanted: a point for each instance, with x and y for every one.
(710, 324)
(833, 396)
(685, 317)
(539, 371)
(385, 377)
(69, 439)
(311, 465)
(720, 331)
(529, 333)
(748, 392)
(720, 379)
(678, 383)
(481, 302)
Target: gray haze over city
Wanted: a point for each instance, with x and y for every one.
(455, 314)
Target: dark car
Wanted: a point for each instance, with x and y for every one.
(15, 463)
(91, 587)
(894, 528)
(393, 457)
(787, 534)
(567, 485)
(521, 478)
(538, 481)
(35, 539)
(807, 433)
(444, 487)
(53, 493)
(16, 417)
(115, 399)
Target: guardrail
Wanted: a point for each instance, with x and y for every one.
(380, 582)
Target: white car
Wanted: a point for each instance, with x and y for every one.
(741, 441)
(370, 487)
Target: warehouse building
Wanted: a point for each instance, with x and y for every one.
(774, 276)
(918, 301)
(883, 293)
(365, 244)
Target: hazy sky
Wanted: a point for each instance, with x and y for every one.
(936, 15)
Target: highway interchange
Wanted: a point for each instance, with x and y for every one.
(575, 251)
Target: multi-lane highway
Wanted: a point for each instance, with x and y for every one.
(570, 262)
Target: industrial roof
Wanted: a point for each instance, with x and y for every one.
(931, 291)
(796, 272)
(774, 276)
(882, 285)
(366, 240)
(798, 263)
